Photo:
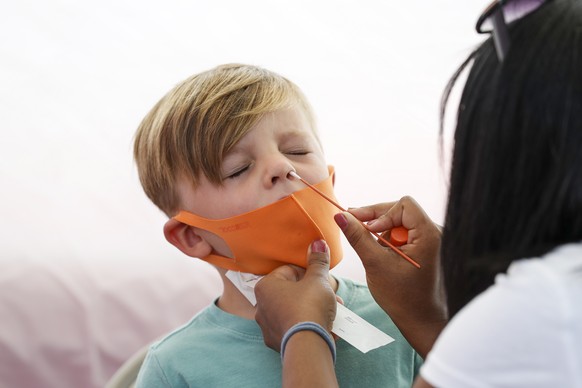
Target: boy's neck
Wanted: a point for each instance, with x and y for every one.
(234, 302)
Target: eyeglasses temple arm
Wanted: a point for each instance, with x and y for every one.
(500, 34)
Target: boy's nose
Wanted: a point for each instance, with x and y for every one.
(279, 173)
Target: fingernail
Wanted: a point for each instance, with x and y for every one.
(341, 220)
(319, 246)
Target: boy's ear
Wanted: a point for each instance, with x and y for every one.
(185, 238)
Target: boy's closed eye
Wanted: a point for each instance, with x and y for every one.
(297, 152)
(236, 172)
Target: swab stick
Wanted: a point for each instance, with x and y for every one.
(388, 243)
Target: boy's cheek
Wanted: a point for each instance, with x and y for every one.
(314, 175)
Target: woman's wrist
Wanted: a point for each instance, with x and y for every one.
(312, 327)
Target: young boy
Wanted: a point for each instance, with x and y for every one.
(215, 154)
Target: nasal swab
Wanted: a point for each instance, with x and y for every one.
(394, 248)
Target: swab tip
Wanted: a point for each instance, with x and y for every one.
(294, 175)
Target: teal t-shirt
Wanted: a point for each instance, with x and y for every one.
(217, 349)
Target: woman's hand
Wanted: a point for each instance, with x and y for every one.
(414, 298)
(290, 295)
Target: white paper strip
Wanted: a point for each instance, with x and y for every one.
(358, 332)
(245, 282)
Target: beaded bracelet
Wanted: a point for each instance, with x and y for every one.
(312, 326)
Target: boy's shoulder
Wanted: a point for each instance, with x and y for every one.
(176, 337)
(210, 350)
(206, 327)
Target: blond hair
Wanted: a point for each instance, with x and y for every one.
(190, 130)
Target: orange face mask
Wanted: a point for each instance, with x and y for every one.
(277, 234)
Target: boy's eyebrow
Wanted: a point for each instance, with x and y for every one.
(294, 133)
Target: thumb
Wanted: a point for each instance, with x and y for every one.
(288, 272)
(318, 260)
(359, 237)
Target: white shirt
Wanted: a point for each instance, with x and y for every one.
(524, 331)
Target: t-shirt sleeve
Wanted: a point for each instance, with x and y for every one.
(514, 334)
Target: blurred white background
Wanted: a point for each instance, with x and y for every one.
(76, 78)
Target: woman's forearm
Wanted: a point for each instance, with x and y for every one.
(308, 362)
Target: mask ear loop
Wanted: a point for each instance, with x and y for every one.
(388, 243)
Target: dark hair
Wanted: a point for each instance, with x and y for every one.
(516, 175)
